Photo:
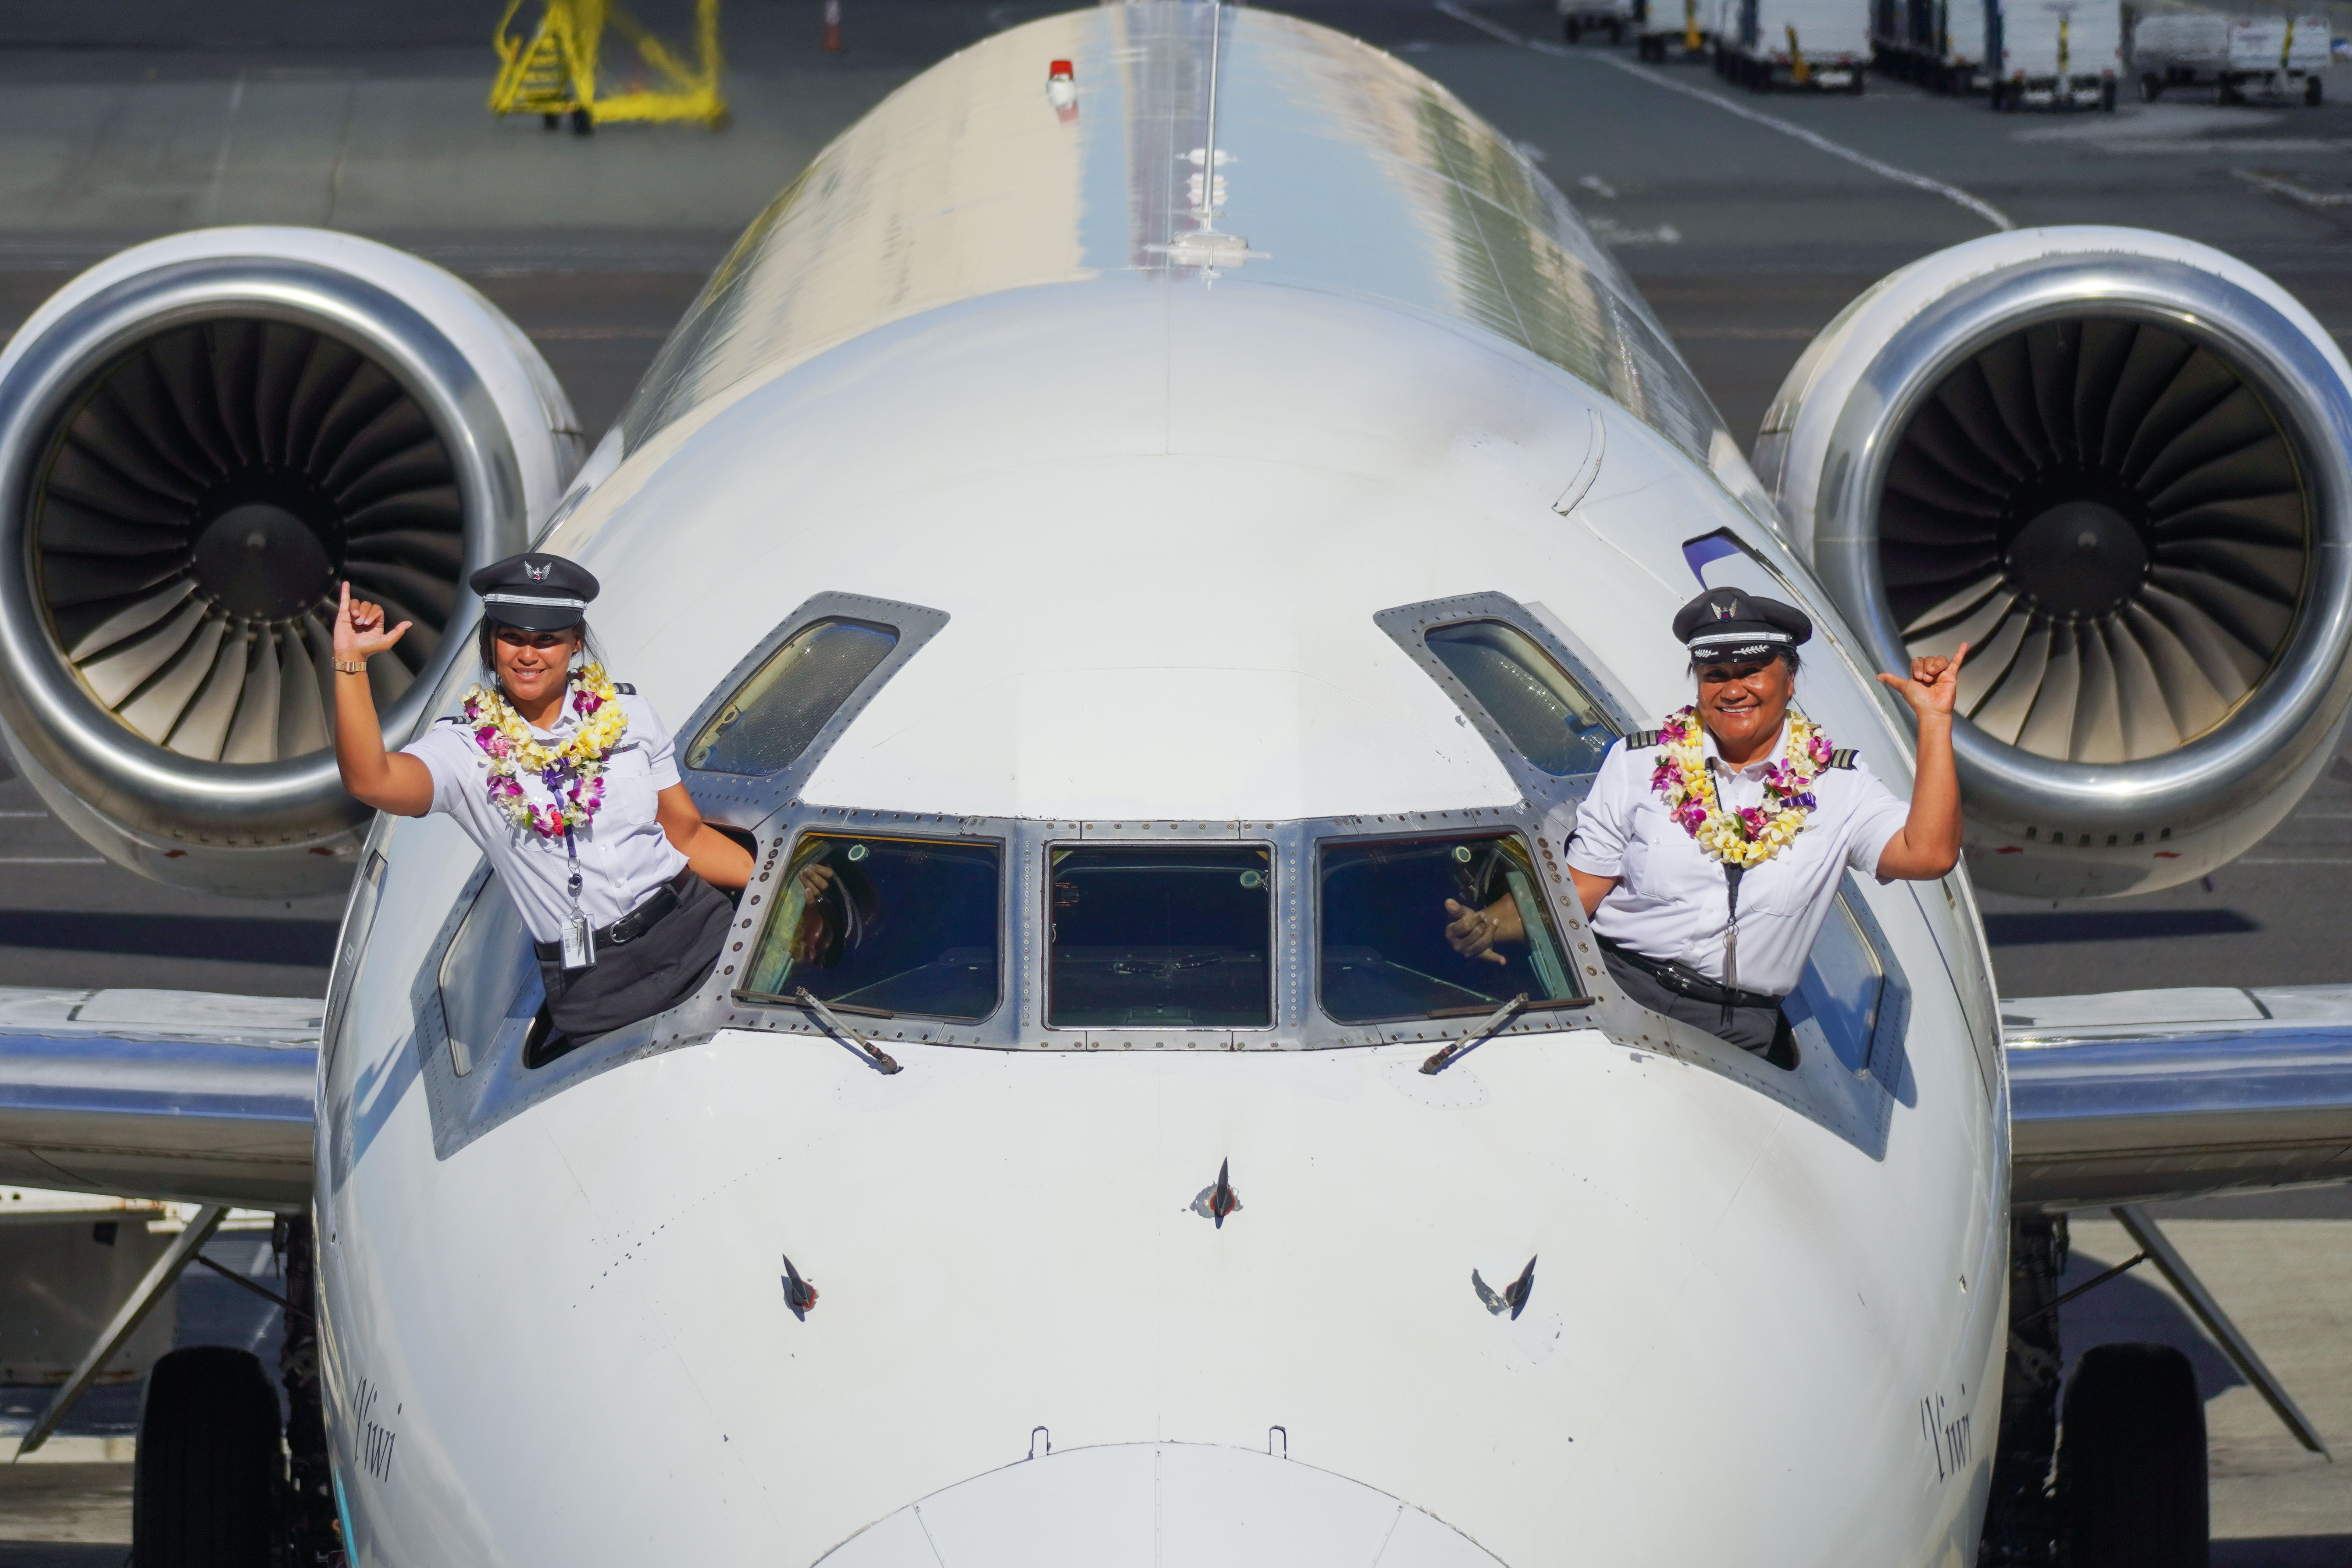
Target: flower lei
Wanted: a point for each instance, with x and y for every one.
(1752, 835)
(572, 773)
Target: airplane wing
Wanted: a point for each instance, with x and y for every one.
(2138, 1096)
(2116, 1098)
(186, 1095)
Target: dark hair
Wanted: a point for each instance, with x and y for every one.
(1785, 652)
(486, 638)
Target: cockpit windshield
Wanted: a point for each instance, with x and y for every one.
(1419, 928)
(885, 925)
(1176, 936)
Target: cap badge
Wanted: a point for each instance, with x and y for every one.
(1722, 612)
(537, 570)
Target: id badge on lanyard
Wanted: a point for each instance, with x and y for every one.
(579, 940)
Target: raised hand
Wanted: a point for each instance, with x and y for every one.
(1935, 682)
(359, 628)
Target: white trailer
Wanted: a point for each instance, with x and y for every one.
(1812, 45)
(1615, 18)
(2277, 54)
(1939, 44)
(2055, 54)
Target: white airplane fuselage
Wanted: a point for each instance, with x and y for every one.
(1159, 508)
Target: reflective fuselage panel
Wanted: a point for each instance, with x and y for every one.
(1159, 509)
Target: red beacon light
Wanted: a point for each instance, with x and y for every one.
(1060, 70)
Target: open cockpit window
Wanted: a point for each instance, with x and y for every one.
(1422, 928)
(885, 925)
(490, 984)
(769, 719)
(1173, 936)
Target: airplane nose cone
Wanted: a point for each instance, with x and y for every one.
(1160, 1505)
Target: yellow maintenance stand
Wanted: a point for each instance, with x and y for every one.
(552, 72)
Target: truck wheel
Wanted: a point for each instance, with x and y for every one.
(1616, 34)
(2106, 97)
(1570, 28)
(1853, 82)
(2311, 91)
(2151, 88)
(2131, 1464)
(2226, 91)
(204, 1484)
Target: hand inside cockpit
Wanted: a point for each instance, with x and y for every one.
(1473, 932)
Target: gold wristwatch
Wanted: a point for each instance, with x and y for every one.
(355, 667)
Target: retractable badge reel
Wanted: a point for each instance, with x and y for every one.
(579, 940)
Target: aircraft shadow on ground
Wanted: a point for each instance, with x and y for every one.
(2135, 1309)
(236, 939)
(2112, 925)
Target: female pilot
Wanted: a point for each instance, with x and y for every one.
(1710, 850)
(566, 782)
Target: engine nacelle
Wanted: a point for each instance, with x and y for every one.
(2118, 466)
(198, 438)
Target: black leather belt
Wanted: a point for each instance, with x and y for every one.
(630, 926)
(1683, 981)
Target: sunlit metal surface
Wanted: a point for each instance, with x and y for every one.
(159, 1094)
(2062, 776)
(2143, 1109)
(200, 811)
(979, 184)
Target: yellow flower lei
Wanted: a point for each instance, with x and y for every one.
(572, 771)
(1753, 836)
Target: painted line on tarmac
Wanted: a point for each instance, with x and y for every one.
(1982, 208)
(51, 861)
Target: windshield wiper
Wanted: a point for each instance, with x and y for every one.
(1478, 1037)
(876, 1056)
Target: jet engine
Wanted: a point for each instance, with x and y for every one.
(201, 438)
(2118, 466)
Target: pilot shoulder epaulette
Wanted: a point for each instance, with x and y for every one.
(1643, 740)
(1841, 759)
(625, 689)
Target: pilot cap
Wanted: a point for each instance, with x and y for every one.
(1724, 624)
(535, 592)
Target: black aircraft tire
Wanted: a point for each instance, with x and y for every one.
(2131, 1464)
(2312, 90)
(204, 1484)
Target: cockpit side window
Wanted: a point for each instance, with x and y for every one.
(1545, 707)
(769, 719)
(766, 729)
(885, 925)
(1553, 722)
(1433, 928)
(489, 983)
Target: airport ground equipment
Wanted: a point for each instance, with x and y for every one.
(2096, 456)
(1939, 44)
(1821, 45)
(939, 419)
(1615, 18)
(2233, 54)
(556, 70)
(2053, 53)
(1678, 30)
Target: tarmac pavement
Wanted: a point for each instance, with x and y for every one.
(142, 117)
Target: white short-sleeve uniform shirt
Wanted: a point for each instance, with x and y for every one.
(1671, 903)
(624, 855)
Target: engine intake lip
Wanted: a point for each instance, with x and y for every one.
(2297, 704)
(157, 795)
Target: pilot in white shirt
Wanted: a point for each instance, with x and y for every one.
(1708, 852)
(566, 781)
